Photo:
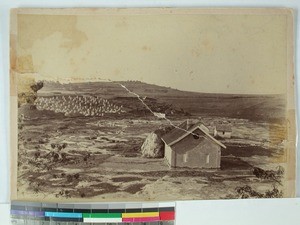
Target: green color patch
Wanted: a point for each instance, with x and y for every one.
(102, 215)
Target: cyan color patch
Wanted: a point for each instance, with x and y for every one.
(63, 215)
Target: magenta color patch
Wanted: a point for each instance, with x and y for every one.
(140, 219)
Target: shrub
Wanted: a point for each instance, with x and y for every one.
(268, 174)
(274, 193)
(37, 155)
(76, 176)
(69, 178)
(248, 192)
(82, 195)
(55, 157)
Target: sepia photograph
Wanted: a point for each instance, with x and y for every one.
(154, 104)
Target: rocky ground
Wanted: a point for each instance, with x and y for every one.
(101, 159)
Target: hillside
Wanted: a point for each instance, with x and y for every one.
(253, 107)
(112, 89)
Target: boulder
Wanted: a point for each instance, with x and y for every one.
(153, 146)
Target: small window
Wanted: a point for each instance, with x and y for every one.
(207, 158)
(185, 156)
(196, 136)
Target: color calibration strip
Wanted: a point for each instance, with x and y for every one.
(94, 213)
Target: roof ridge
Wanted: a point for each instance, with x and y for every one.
(199, 125)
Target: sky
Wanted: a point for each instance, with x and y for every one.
(240, 54)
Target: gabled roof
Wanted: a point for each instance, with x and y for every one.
(183, 130)
(223, 127)
(175, 133)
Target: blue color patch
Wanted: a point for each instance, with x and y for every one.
(63, 215)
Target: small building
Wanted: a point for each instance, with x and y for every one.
(223, 131)
(191, 145)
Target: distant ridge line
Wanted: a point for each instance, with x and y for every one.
(130, 83)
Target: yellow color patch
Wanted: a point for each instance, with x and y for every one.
(135, 215)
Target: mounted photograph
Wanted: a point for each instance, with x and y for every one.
(152, 104)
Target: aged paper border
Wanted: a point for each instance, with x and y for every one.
(290, 181)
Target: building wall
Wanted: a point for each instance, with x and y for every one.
(197, 153)
(224, 135)
(169, 155)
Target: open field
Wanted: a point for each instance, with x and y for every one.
(99, 158)
(87, 144)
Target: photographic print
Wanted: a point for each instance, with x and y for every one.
(152, 104)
